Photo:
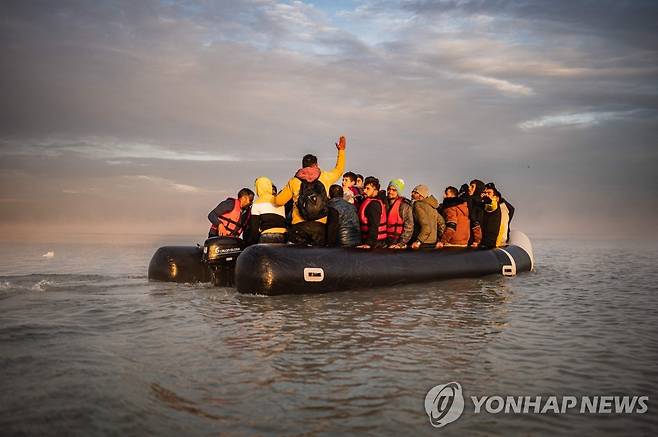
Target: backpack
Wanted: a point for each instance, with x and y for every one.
(312, 201)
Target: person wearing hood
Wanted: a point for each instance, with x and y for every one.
(311, 231)
(455, 212)
(267, 223)
(495, 220)
(505, 206)
(475, 204)
(428, 223)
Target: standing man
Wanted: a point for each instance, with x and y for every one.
(400, 220)
(230, 216)
(308, 189)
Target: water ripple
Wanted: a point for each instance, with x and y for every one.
(112, 354)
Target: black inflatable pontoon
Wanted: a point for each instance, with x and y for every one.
(215, 262)
(178, 264)
(280, 269)
(274, 269)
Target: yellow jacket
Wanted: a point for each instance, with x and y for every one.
(264, 204)
(291, 190)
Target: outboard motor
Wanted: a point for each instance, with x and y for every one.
(220, 255)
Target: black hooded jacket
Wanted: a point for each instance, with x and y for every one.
(475, 204)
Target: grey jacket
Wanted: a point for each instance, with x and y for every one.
(428, 223)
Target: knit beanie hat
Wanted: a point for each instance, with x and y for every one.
(422, 190)
(398, 184)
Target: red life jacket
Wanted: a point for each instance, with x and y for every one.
(365, 227)
(395, 224)
(229, 223)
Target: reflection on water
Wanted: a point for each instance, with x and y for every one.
(340, 357)
(172, 400)
(88, 352)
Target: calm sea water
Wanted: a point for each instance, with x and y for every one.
(89, 347)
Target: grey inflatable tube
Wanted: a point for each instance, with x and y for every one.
(280, 269)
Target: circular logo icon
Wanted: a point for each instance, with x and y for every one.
(444, 404)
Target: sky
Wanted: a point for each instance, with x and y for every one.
(124, 117)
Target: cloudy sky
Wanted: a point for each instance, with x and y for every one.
(124, 116)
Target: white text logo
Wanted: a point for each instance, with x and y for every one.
(444, 404)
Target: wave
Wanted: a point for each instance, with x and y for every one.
(65, 282)
(42, 285)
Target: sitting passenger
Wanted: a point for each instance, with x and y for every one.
(342, 220)
(360, 197)
(360, 182)
(475, 210)
(428, 223)
(268, 221)
(349, 187)
(495, 220)
(372, 216)
(381, 194)
(230, 217)
(400, 220)
(455, 212)
(504, 204)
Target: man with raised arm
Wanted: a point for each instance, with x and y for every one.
(308, 189)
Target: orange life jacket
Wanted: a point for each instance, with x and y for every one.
(365, 226)
(395, 224)
(229, 223)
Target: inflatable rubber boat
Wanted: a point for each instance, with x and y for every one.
(273, 269)
(214, 262)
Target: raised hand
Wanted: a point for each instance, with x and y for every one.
(341, 144)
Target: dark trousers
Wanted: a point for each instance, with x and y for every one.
(308, 233)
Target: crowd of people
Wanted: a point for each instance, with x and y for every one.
(312, 210)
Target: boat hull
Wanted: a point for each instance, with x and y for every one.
(280, 269)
